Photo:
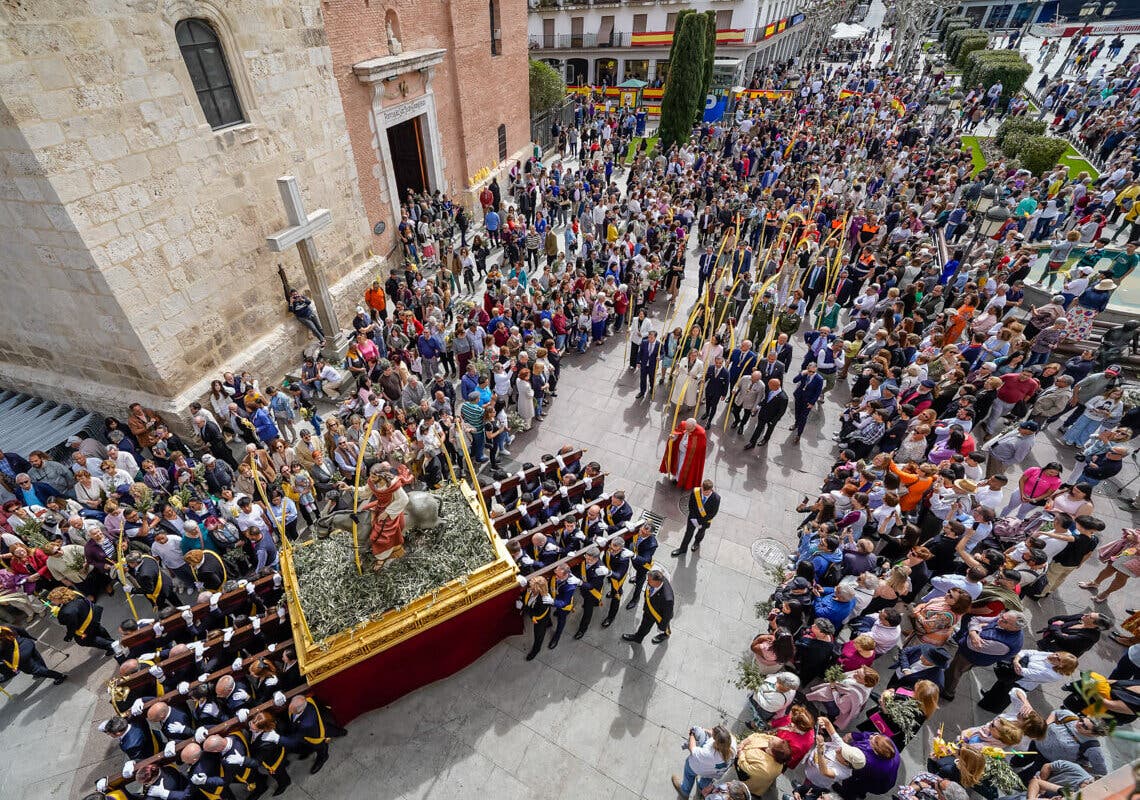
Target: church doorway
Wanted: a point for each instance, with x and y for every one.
(406, 144)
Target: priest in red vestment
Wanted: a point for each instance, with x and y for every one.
(684, 459)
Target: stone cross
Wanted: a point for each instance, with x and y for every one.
(300, 232)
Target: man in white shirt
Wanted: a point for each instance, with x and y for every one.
(991, 494)
(251, 515)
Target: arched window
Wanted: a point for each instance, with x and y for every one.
(206, 64)
(496, 28)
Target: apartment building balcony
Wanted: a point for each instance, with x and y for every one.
(579, 41)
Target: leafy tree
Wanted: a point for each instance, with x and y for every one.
(547, 88)
(683, 98)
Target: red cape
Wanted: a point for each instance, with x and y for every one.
(693, 470)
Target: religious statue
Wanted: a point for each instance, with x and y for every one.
(387, 505)
(394, 46)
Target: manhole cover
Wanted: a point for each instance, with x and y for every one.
(769, 553)
(683, 503)
(655, 521)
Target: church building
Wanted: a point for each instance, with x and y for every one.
(140, 149)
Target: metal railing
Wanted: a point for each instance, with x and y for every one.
(540, 124)
(578, 41)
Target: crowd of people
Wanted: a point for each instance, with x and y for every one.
(811, 227)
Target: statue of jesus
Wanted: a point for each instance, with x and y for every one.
(387, 506)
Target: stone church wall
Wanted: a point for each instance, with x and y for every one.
(133, 262)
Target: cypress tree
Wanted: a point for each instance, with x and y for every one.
(684, 12)
(710, 53)
(683, 98)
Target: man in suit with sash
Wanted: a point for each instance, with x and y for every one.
(657, 609)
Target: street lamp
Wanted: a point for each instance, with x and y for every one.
(1088, 10)
(987, 198)
(989, 222)
(1107, 9)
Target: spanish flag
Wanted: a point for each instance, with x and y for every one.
(898, 106)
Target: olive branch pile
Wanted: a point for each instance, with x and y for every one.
(335, 598)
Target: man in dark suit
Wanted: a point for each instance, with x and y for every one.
(657, 609)
(814, 281)
(845, 289)
(703, 505)
(808, 391)
(211, 436)
(647, 355)
(771, 367)
(716, 387)
(705, 265)
(768, 413)
(783, 350)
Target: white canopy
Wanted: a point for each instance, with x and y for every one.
(844, 30)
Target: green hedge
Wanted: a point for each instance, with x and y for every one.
(1026, 125)
(955, 38)
(1014, 141)
(967, 46)
(987, 67)
(1039, 154)
(951, 24)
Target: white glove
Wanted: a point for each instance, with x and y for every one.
(277, 579)
(214, 598)
(199, 649)
(198, 779)
(603, 571)
(271, 680)
(521, 580)
(242, 714)
(548, 599)
(158, 629)
(127, 589)
(578, 509)
(170, 749)
(250, 589)
(204, 677)
(242, 583)
(234, 759)
(159, 791)
(236, 665)
(518, 604)
(102, 726)
(564, 491)
(183, 687)
(272, 646)
(176, 727)
(626, 553)
(188, 617)
(201, 734)
(255, 623)
(101, 785)
(118, 648)
(227, 635)
(279, 699)
(129, 769)
(273, 737)
(137, 707)
(157, 673)
(280, 612)
(146, 621)
(526, 561)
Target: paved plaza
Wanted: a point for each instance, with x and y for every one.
(594, 718)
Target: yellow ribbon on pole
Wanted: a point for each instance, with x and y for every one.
(356, 492)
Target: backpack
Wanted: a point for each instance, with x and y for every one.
(832, 575)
